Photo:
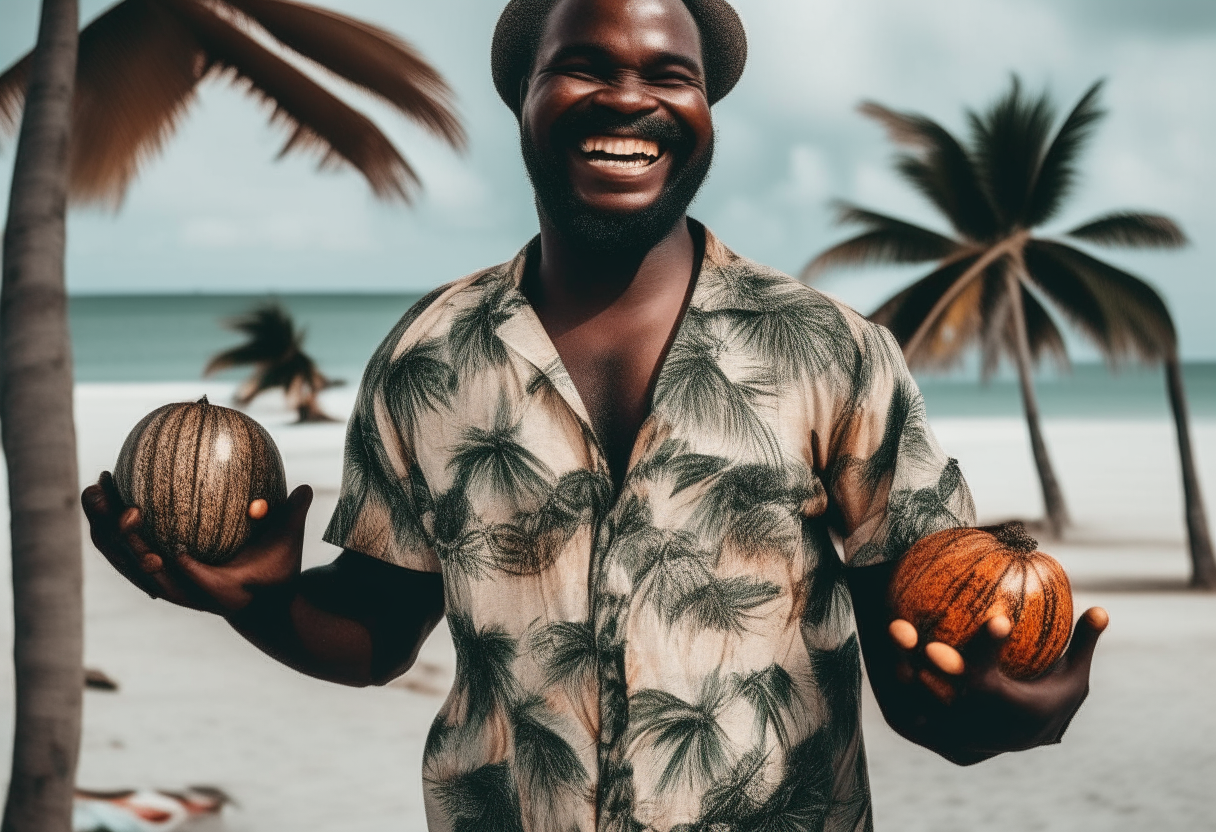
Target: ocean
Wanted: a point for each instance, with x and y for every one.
(170, 338)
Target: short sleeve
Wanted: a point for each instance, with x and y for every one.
(889, 482)
(384, 506)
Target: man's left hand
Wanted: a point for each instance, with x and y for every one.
(967, 709)
(958, 702)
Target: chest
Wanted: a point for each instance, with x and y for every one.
(613, 364)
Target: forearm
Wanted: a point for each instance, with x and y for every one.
(286, 626)
(355, 621)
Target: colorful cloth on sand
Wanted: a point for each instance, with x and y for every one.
(680, 655)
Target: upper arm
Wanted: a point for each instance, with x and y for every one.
(889, 482)
(384, 501)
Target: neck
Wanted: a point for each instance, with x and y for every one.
(580, 285)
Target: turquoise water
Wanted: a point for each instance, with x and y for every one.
(171, 337)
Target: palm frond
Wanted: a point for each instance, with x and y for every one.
(319, 120)
(1131, 230)
(483, 666)
(136, 74)
(13, 84)
(1008, 143)
(722, 604)
(1121, 313)
(547, 766)
(482, 800)
(1057, 172)
(369, 57)
(770, 691)
(567, 652)
(838, 675)
(416, 381)
(904, 313)
(688, 732)
(888, 240)
(272, 337)
(941, 169)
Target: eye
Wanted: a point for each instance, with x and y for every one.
(674, 78)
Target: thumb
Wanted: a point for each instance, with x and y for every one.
(297, 511)
(1085, 637)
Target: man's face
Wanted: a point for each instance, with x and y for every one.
(616, 129)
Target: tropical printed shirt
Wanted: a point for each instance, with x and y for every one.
(679, 655)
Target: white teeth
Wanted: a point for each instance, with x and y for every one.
(621, 146)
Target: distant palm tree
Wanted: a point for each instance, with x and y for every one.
(1012, 177)
(275, 350)
(141, 62)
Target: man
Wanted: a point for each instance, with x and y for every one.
(622, 464)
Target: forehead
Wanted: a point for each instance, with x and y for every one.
(626, 31)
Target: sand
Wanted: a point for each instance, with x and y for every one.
(199, 705)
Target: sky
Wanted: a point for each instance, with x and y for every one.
(217, 213)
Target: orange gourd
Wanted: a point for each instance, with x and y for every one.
(193, 469)
(951, 583)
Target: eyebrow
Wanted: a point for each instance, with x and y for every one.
(601, 55)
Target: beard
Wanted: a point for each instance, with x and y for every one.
(615, 233)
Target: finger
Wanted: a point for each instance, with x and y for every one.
(945, 658)
(983, 650)
(216, 586)
(903, 634)
(941, 689)
(129, 520)
(1085, 637)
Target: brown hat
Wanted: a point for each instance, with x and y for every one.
(521, 24)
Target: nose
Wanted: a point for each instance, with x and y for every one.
(627, 94)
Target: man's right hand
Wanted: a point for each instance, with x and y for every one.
(270, 559)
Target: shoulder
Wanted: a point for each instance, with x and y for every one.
(751, 289)
(433, 314)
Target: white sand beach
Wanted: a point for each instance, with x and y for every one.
(198, 705)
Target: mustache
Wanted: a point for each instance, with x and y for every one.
(577, 125)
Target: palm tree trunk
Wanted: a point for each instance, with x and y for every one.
(1203, 564)
(1053, 497)
(40, 444)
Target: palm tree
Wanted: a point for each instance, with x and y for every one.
(495, 459)
(688, 732)
(482, 800)
(550, 770)
(993, 275)
(40, 444)
(721, 604)
(484, 678)
(276, 350)
(770, 691)
(141, 63)
(95, 105)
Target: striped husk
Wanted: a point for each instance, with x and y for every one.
(192, 468)
(951, 583)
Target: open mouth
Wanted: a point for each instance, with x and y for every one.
(620, 152)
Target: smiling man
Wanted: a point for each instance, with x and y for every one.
(651, 484)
